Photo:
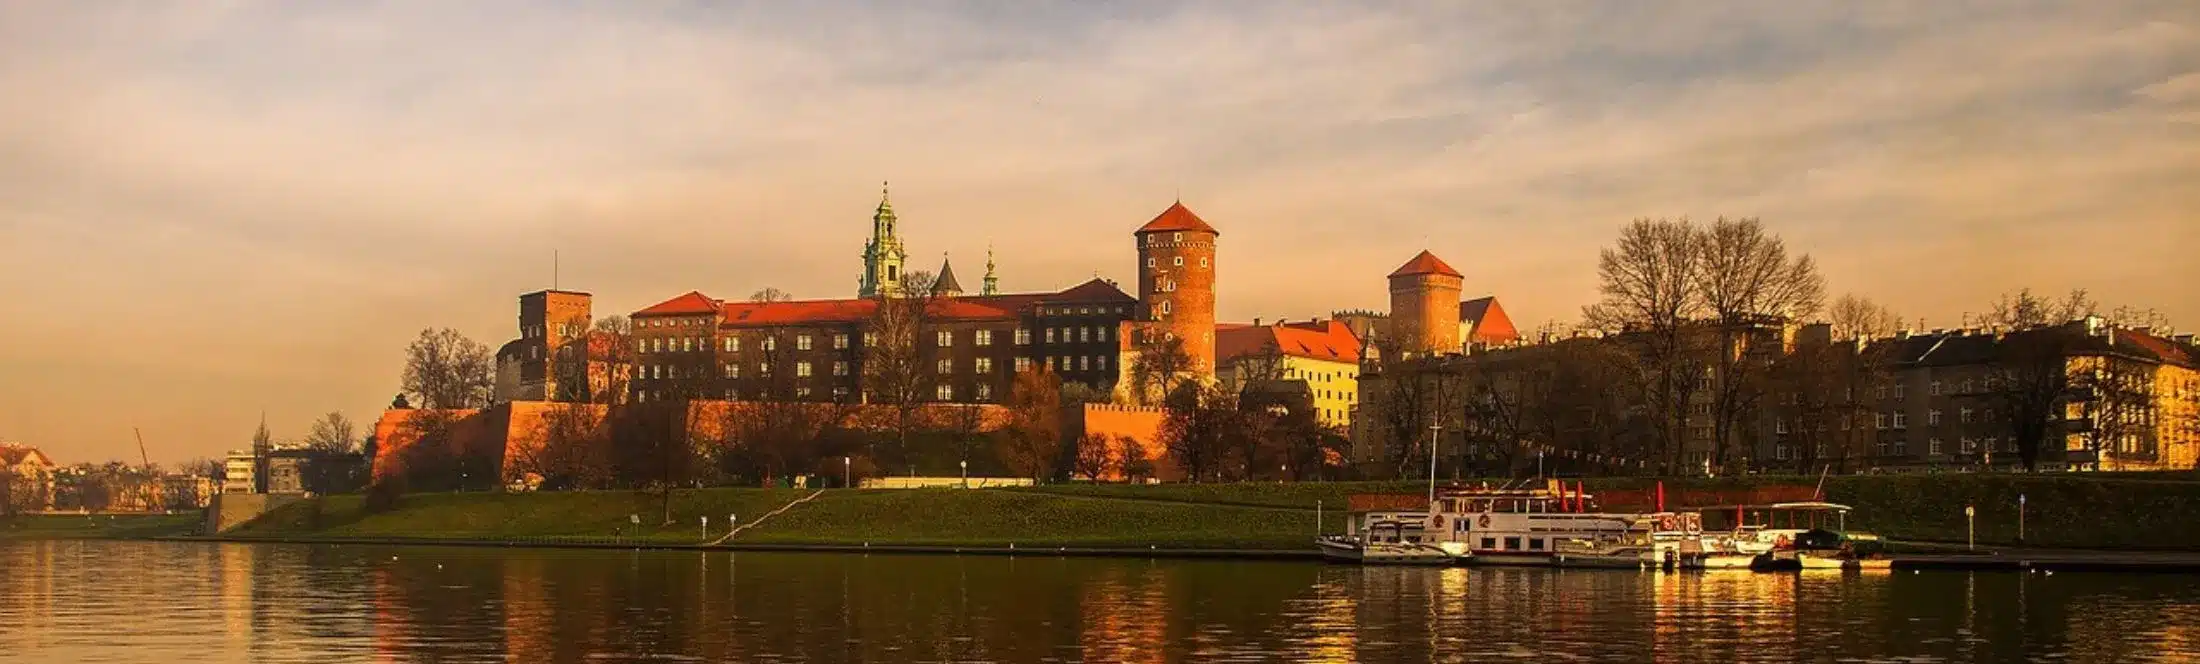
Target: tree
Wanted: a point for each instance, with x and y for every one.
(332, 434)
(897, 351)
(770, 294)
(1650, 288)
(262, 441)
(2028, 382)
(1415, 394)
(1136, 464)
(1159, 364)
(1074, 392)
(1197, 429)
(2024, 310)
(1749, 283)
(1823, 390)
(1032, 445)
(1858, 317)
(1094, 459)
(447, 370)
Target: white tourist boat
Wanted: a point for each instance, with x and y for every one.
(1795, 535)
(1529, 527)
(1385, 538)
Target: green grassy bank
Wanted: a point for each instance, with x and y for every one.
(2074, 511)
(98, 526)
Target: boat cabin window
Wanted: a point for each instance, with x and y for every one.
(1512, 544)
(1489, 542)
(1535, 544)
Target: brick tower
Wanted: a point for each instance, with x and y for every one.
(1424, 307)
(1176, 282)
(548, 320)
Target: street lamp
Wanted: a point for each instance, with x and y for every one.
(847, 473)
(965, 472)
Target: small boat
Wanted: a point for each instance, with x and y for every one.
(1385, 538)
(1816, 560)
(1719, 561)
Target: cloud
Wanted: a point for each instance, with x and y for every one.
(218, 207)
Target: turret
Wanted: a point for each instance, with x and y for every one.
(1424, 307)
(1176, 281)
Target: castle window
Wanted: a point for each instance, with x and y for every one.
(1932, 417)
(641, 345)
(1179, 261)
(840, 342)
(870, 339)
(802, 342)
(801, 393)
(1084, 362)
(946, 338)
(1050, 335)
(1966, 414)
(1102, 334)
(771, 343)
(657, 345)
(985, 392)
(944, 393)
(1084, 333)
(1936, 388)
(733, 394)
(1899, 419)
(1177, 237)
(733, 370)
(1150, 261)
(1100, 363)
(802, 369)
(1164, 308)
(687, 344)
(1203, 261)
(1023, 336)
(1023, 364)
(732, 344)
(763, 369)
(982, 337)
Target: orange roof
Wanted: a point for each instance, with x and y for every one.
(692, 303)
(1425, 263)
(1329, 341)
(2162, 349)
(985, 307)
(1489, 323)
(1177, 218)
(13, 454)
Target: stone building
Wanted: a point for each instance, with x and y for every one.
(1321, 357)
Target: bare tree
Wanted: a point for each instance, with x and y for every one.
(1652, 291)
(2117, 390)
(1159, 364)
(770, 294)
(445, 369)
(2024, 310)
(1751, 287)
(1032, 445)
(1197, 429)
(1822, 391)
(332, 434)
(1137, 465)
(897, 351)
(1094, 459)
(1414, 394)
(1858, 317)
(2029, 381)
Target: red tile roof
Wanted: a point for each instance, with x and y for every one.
(2164, 350)
(1425, 263)
(971, 308)
(1487, 322)
(692, 303)
(1328, 341)
(12, 454)
(1177, 218)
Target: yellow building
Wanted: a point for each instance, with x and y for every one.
(2135, 402)
(1324, 354)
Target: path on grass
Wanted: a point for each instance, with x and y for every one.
(767, 515)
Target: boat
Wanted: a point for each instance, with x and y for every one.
(1773, 535)
(1486, 526)
(1385, 538)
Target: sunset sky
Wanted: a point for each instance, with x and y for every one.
(213, 209)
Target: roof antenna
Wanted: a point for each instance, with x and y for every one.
(553, 269)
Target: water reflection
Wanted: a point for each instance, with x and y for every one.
(125, 601)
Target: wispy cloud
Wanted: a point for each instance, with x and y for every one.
(210, 208)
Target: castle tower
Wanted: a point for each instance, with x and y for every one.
(1176, 281)
(882, 256)
(549, 322)
(944, 283)
(1424, 307)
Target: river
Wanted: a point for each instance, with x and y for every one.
(172, 603)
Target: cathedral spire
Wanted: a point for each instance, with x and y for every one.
(882, 256)
(992, 281)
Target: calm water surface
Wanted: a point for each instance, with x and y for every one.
(175, 603)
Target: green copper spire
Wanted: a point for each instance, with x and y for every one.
(992, 281)
(882, 256)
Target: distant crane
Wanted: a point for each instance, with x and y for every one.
(142, 458)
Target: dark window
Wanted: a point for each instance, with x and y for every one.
(1535, 544)
(1512, 544)
(1489, 542)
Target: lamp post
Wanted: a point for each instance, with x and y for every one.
(847, 472)
(1435, 436)
(2020, 518)
(1970, 528)
(965, 472)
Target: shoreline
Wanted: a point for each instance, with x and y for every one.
(2019, 561)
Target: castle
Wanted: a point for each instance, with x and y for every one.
(695, 346)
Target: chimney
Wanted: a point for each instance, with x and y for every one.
(1256, 322)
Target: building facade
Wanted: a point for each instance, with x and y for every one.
(1322, 355)
(26, 479)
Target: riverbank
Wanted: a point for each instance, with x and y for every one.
(98, 526)
(2066, 511)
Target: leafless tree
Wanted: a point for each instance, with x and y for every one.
(1094, 459)
(445, 369)
(1414, 393)
(1159, 364)
(1751, 288)
(1137, 465)
(332, 434)
(897, 350)
(1822, 393)
(1032, 445)
(2117, 390)
(2029, 381)
(2024, 310)
(1858, 317)
(1652, 292)
(770, 294)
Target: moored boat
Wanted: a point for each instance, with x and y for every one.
(1385, 538)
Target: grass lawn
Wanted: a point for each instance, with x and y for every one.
(992, 517)
(585, 515)
(98, 526)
